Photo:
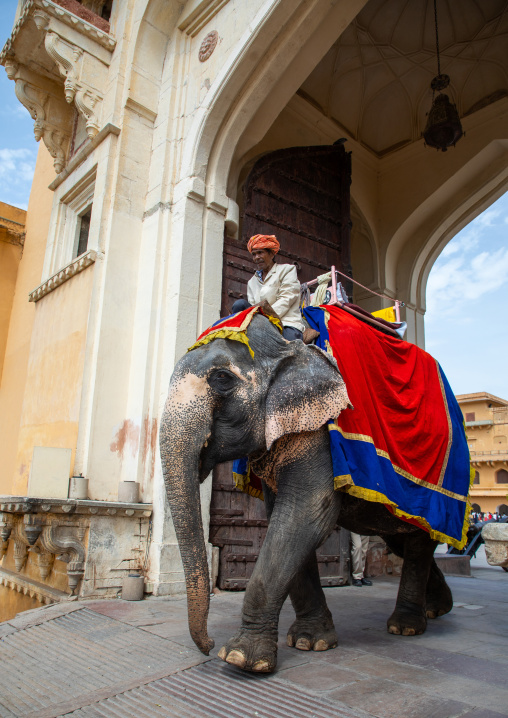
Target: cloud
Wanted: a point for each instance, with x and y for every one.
(463, 279)
(16, 174)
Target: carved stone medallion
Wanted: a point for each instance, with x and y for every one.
(208, 45)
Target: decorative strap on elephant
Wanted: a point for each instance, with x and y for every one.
(235, 327)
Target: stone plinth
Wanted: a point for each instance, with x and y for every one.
(496, 544)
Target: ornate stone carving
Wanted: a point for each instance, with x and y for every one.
(6, 525)
(46, 529)
(208, 45)
(81, 54)
(86, 101)
(67, 57)
(67, 547)
(20, 553)
(38, 102)
(32, 524)
(45, 561)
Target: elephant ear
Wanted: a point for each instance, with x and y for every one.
(306, 391)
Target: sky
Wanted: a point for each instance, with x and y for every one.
(18, 148)
(466, 324)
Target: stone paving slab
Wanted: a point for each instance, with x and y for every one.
(118, 658)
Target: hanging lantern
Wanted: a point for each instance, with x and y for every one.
(443, 128)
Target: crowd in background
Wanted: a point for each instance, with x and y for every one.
(476, 516)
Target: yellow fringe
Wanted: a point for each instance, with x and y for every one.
(345, 483)
(242, 482)
(235, 334)
(275, 321)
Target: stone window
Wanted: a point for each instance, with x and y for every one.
(500, 440)
(74, 223)
(470, 416)
(476, 479)
(83, 231)
(502, 476)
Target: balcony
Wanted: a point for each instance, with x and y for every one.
(58, 55)
(489, 457)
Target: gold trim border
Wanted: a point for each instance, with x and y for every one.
(397, 469)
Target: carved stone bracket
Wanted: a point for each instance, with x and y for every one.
(6, 526)
(72, 49)
(69, 60)
(43, 108)
(67, 547)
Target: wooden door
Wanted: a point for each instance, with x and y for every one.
(301, 195)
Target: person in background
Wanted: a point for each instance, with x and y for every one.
(360, 544)
(276, 283)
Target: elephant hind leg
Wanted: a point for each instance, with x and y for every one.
(439, 599)
(313, 628)
(409, 617)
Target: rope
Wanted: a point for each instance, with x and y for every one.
(383, 296)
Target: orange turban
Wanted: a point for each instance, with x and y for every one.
(263, 241)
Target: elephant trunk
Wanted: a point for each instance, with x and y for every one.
(181, 440)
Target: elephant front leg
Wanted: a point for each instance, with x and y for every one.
(409, 617)
(313, 628)
(302, 516)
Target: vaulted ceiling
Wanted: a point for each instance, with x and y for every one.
(375, 80)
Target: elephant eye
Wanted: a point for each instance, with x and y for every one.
(222, 381)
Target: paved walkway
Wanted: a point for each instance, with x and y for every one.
(126, 659)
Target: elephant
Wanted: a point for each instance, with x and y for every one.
(223, 403)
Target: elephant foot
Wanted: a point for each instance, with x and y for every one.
(251, 652)
(309, 634)
(407, 622)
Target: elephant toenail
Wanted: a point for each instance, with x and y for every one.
(236, 658)
(409, 632)
(290, 641)
(321, 645)
(261, 666)
(303, 644)
(394, 629)
(222, 653)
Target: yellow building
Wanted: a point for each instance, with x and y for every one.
(12, 237)
(486, 419)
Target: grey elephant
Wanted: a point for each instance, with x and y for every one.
(223, 404)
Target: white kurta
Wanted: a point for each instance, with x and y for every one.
(281, 289)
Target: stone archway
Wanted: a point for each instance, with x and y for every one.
(421, 238)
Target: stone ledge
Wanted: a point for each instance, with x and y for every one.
(29, 505)
(453, 564)
(63, 275)
(29, 587)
